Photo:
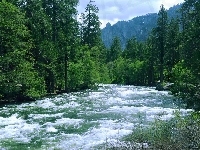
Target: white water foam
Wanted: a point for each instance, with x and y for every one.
(17, 128)
(108, 130)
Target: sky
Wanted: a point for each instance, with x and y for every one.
(118, 10)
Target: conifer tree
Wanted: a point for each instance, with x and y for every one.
(191, 53)
(172, 54)
(54, 29)
(91, 25)
(131, 49)
(17, 73)
(115, 49)
(161, 38)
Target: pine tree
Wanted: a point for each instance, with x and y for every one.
(54, 29)
(191, 53)
(17, 77)
(172, 54)
(161, 37)
(115, 49)
(131, 49)
(91, 26)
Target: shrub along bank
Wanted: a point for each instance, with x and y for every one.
(177, 133)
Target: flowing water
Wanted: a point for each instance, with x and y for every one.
(82, 120)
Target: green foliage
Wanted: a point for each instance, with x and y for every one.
(75, 76)
(85, 72)
(172, 54)
(161, 31)
(32, 83)
(119, 67)
(17, 64)
(136, 73)
(115, 50)
(126, 71)
(191, 31)
(186, 85)
(177, 133)
(90, 71)
(181, 74)
(104, 74)
(131, 49)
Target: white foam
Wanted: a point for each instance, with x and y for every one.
(126, 93)
(46, 104)
(14, 119)
(71, 104)
(115, 100)
(51, 129)
(108, 129)
(94, 95)
(40, 116)
(17, 128)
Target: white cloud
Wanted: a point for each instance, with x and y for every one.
(115, 10)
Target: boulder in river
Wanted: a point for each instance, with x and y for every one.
(165, 87)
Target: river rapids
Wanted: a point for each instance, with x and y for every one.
(82, 120)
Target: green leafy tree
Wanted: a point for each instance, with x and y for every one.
(135, 72)
(119, 67)
(67, 38)
(90, 69)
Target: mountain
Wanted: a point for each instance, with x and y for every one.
(139, 27)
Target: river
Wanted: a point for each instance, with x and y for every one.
(82, 120)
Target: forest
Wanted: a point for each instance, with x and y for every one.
(45, 49)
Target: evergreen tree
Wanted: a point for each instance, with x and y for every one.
(161, 37)
(131, 49)
(172, 54)
(188, 76)
(91, 26)
(43, 50)
(152, 57)
(115, 49)
(191, 40)
(17, 76)
(54, 29)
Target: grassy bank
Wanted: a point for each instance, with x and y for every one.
(179, 133)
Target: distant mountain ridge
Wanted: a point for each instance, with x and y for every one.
(140, 27)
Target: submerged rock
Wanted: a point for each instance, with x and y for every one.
(159, 87)
(165, 87)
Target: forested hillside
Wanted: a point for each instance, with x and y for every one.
(140, 27)
(45, 50)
